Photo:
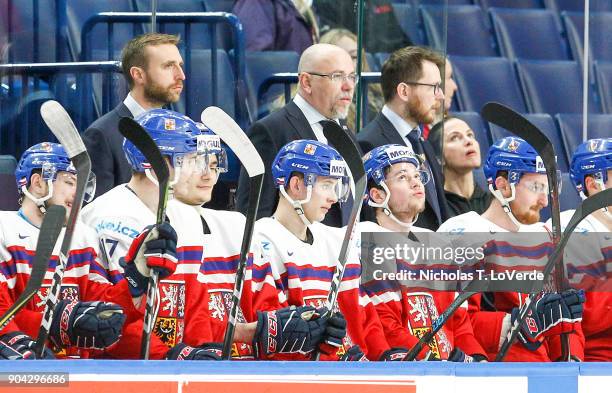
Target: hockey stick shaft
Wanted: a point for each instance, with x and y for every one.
(62, 126)
(514, 122)
(50, 229)
(235, 138)
(588, 206)
(133, 132)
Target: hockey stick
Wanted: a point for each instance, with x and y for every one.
(60, 123)
(348, 149)
(231, 133)
(52, 224)
(588, 206)
(514, 122)
(133, 132)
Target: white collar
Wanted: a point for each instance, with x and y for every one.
(312, 115)
(135, 108)
(401, 125)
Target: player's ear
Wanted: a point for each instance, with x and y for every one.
(38, 186)
(295, 187)
(377, 195)
(590, 184)
(502, 184)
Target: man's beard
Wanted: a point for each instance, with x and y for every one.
(416, 113)
(339, 112)
(158, 93)
(529, 216)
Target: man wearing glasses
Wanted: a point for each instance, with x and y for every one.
(411, 85)
(326, 84)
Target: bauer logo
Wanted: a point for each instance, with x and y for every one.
(208, 142)
(310, 149)
(337, 168)
(169, 125)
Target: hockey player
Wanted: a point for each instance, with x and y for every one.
(90, 313)
(183, 328)
(396, 191)
(517, 181)
(295, 255)
(587, 254)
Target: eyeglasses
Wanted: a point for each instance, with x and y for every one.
(337, 77)
(437, 88)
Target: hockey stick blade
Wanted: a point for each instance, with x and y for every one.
(588, 206)
(235, 138)
(50, 229)
(516, 123)
(133, 132)
(62, 126)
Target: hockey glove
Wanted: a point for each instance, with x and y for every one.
(549, 315)
(89, 325)
(458, 356)
(181, 351)
(334, 334)
(18, 345)
(354, 354)
(290, 330)
(396, 354)
(159, 253)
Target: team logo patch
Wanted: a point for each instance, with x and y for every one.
(513, 145)
(421, 316)
(219, 304)
(169, 124)
(46, 146)
(310, 149)
(68, 292)
(170, 322)
(594, 145)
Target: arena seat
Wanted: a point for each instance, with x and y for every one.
(603, 76)
(547, 125)
(480, 130)
(259, 66)
(528, 34)
(468, 32)
(598, 126)
(407, 16)
(568, 197)
(8, 196)
(600, 26)
(553, 86)
(484, 79)
(577, 5)
(218, 5)
(486, 4)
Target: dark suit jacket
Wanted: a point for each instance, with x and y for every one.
(104, 144)
(269, 135)
(382, 132)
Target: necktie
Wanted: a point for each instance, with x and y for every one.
(430, 188)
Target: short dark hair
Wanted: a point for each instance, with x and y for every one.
(406, 64)
(133, 53)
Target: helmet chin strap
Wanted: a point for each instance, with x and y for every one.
(505, 202)
(297, 205)
(385, 206)
(175, 179)
(39, 202)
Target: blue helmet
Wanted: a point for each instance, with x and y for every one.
(593, 157)
(311, 158)
(513, 155)
(175, 135)
(48, 157)
(210, 143)
(382, 157)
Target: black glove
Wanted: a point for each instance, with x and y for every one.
(397, 354)
(95, 325)
(458, 356)
(210, 351)
(354, 354)
(18, 345)
(334, 334)
(290, 330)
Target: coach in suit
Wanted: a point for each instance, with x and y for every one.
(325, 91)
(410, 81)
(152, 67)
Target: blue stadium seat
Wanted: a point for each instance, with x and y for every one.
(484, 79)
(79, 11)
(600, 31)
(578, 5)
(603, 76)
(468, 33)
(219, 5)
(569, 197)
(30, 41)
(486, 4)
(372, 62)
(528, 34)
(547, 125)
(598, 126)
(407, 16)
(553, 86)
(259, 66)
(480, 129)
(8, 196)
(442, 2)
(381, 57)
